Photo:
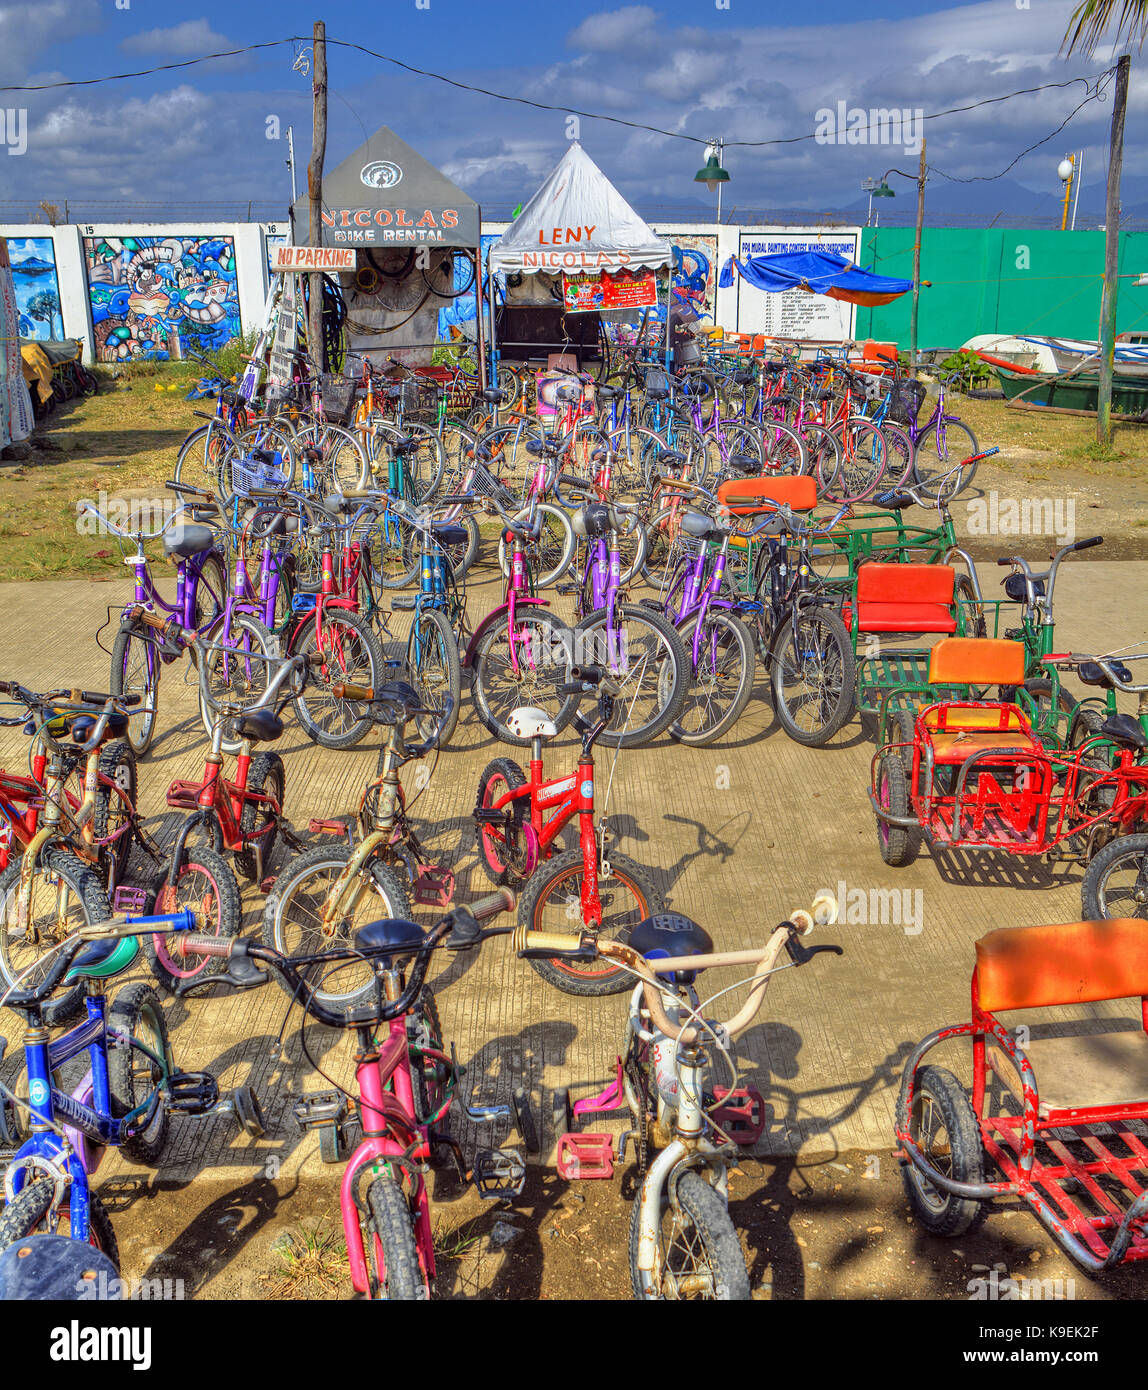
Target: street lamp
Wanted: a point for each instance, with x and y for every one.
(712, 174)
(875, 189)
(1068, 172)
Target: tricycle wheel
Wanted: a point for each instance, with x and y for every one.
(904, 729)
(897, 843)
(945, 1129)
(1116, 881)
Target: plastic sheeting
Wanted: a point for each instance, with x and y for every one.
(817, 272)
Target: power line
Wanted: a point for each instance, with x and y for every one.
(147, 72)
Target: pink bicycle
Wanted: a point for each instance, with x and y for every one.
(405, 1080)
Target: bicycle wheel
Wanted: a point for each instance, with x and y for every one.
(135, 670)
(722, 681)
(115, 804)
(395, 550)
(550, 556)
(66, 894)
(429, 1074)
(523, 668)
(199, 462)
(342, 459)
(645, 656)
(552, 901)
(822, 455)
(233, 674)
(813, 676)
(136, 1012)
(1116, 881)
(699, 1255)
(266, 775)
(206, 884)
(276, 439)
(504, 850)
(351, 655)
(434, 669)
(945, 1129)
(26, 1215)
(783, 449)
(864, 456)
(899, 466)
(293, 921)
(940, 450)
(396, 1269)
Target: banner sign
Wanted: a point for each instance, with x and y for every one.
(624, 290)
(291, 258)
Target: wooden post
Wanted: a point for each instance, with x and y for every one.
(1111, 245)
(315, 193)
(917, 263)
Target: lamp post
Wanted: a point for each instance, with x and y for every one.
(1064, 172)
(884, 191)
(712, 174)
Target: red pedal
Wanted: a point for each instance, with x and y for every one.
(184, 794)
(741, 1113)
(327, 827)
(585, 1156)
(434, 886)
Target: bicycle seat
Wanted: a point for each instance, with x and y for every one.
(101, 960)
(83, 725)
(449, 533)
(670, 458)
(186, 541)
(591, 521)
(1014, 587)
(657, 393)
(493, 396)
(399, 937)
(528, 722)
(540, 448)
(671, 934)
(607, 393)
(404, 444)
(568, 391)
(259, 725)
(743, 378)
(401, 698)
(1123, 728)
(1092, 673)
(701, 527)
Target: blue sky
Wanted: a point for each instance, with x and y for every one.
(195, 139)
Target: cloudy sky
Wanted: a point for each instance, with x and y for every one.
(195, 139)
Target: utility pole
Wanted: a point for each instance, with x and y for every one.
(315, 192)
(1111, 243)
(294, 190)
(917, 262)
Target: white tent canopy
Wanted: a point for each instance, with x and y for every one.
(578, 223)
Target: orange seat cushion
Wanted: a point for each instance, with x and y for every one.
(745, 495)
(1073, 963)
(977, 661)
(905, 598)
(956, 730)
(955, 745)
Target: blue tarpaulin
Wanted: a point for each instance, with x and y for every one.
(818, 272)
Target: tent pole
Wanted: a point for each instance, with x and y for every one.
(480, 309)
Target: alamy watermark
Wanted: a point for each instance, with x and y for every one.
(131, 514)
(998, 1286)
(14, 129)
(994, 515)
(879, 125)
(868, 906)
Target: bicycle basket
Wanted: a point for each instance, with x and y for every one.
(657, 380)
(905, 401)
(338, 396)
(248, 473)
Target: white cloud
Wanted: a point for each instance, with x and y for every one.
(617, 29)
(187, 40)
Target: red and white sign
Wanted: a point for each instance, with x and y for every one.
(289, 258)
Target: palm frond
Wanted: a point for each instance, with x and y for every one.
(1092, 18)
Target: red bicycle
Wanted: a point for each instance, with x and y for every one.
(583, 888)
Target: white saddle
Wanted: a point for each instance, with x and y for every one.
(528, 722)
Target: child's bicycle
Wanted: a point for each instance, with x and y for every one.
(683, 1243)
(606, 892)
(124, 1101)
(405, 1081)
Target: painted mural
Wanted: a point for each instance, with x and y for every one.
(37, 285)
(695, 272)
(158, 297)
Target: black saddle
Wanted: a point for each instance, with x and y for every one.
(657, 393)
(449, 533)
(701, 527)
(1122, 728)
(1092, 673)
(744, 464)
(186, 541)
(607, 393)
(670, 458)
(83, 725)
(398, 937)
(259, 725)
(671, 934)
(404, 444)
(493, 396)
(1014, 587)
(542, 448)
(893, 501)
(743, 377)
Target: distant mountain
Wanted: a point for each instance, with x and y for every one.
(33, 265)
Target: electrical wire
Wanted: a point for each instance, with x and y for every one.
(147, 72)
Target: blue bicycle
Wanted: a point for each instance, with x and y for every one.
(124, 1100)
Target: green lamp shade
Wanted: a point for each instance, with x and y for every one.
(883, 191)
(712, 174)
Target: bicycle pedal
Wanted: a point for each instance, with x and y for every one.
(319, 1108)
(130, 899)
(498, 1174)
(741, 1113)
(191, 1092)
(266, 883)
(567, 588)
(329, 827)
(585, 1156)
(487, 815)
(433, 886)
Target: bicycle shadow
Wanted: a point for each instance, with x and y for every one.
(710, 845)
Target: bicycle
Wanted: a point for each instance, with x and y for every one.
(683, 1243)
(124, 1101)
(608, 893)
(405, 1081)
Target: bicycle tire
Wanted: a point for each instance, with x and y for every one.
(1100, 896)
(566, 870)
(353, 655)
(819, 633)
(199, 462)
(266, 773)
(342, 458)
(434, 668)
(863, 463)
(783, 450)
(943, 1213)
(714, 1235)
(661, 656)
(551, 556)
(934, 457)
(24, 1213)
(134, 1008)
(116, 795)
(502, 849)
(549, 647)
(899, 462)
(291, 922)
(230, 672)
(699, 723)
(85, 900)
(135, 670)
(393, 1249)
(206, 884)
